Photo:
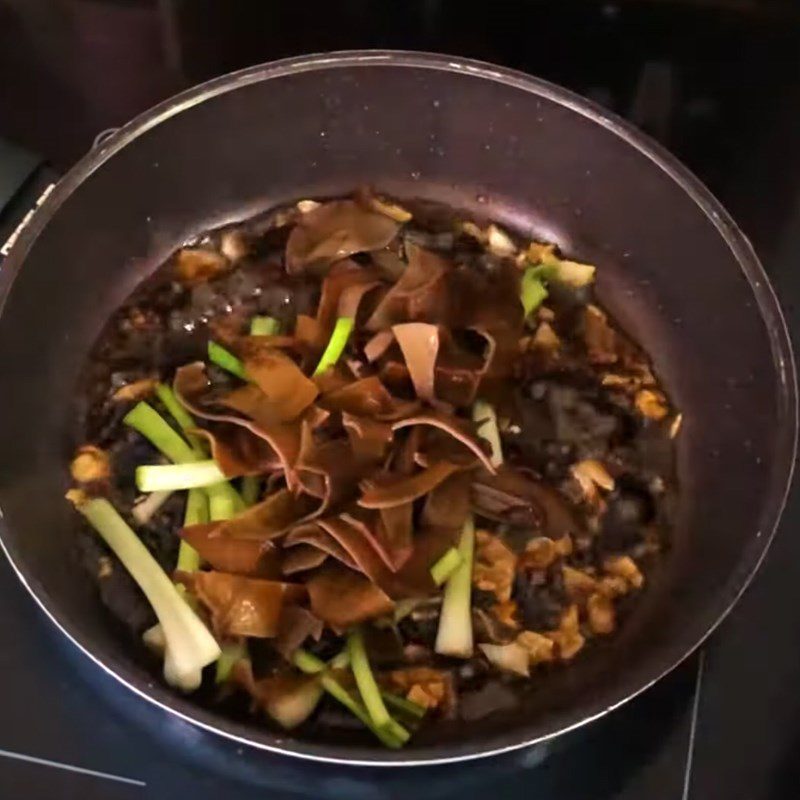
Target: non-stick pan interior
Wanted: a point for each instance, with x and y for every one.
(671, 266)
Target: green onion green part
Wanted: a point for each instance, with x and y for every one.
(341, 333)
(484, 415)
(264, 326)
(307, 662)
(445, 566)
(163, 477)
(365, 680)
(196, 513)
(231, 653)
(454, 637)
(532, 290)
(147, 421)
(218, 355)
(180, 415)
(224, 499)
(221, 501)
(189, 644)
(311, 665)
(251, 486)
(407, 707)
(544, 272)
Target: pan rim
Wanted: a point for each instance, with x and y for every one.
(651, 667)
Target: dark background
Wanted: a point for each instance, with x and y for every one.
(716, 81)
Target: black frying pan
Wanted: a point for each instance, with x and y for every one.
(672, 266)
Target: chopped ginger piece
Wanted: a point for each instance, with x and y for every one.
(651, 404)
(545, 337)
(600, 612)
(494, 566)
(90, 464)
(540, 553)
(428, 687)
(568, 639)
(625, 567)
(613, 586)
(577, 584)
(505, 612)
(540, 648)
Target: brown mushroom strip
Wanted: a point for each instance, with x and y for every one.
(358, 532)
(414, 579)
(309, 334)
(336, 230)
(284, 437)
(343, 276)
(367, 397)
(137, 390)
(297, 624)
(313, 535)
(238, 451)
(238, 556)
(302, 558)
(511, 496)
(385, 491)
(272, 517)
(458, 428)
(352, 296)
(284, 386)
(419, 342)
(362, 545)
(242, 606)
(327, 470)
(378, 345)
(342, 598)
(447, 505)
(369, 439)
(437, 445)
(395, 533)
(191, 384)
(420, 293)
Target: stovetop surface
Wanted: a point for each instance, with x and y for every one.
(717, 82)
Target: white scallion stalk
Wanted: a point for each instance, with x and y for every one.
(484, 414)
(443, 568)
(145, 509)
(189, 644)
(454, 637)
(294, 708)
(170, 477)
